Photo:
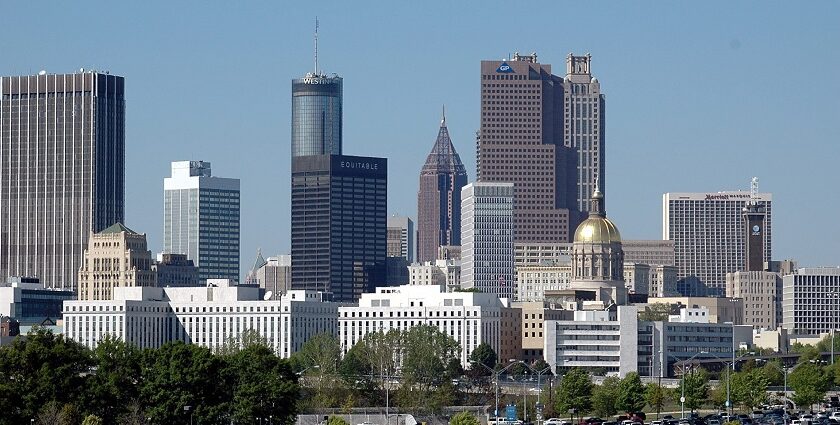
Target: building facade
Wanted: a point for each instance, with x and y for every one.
(811, 301)
(534, 316)
(201, 219)
(533, 281)
(116, 257)
(339, 214)
(29, 303)
(637, 277)
(721, 310)
(446, 273)
(761, 292)
(175, 270)
(487, 235)
(400, 238)
(522, 140)
(467, 317)
(317, 115)
(650, 252)
(212, 317)
(62, 170)
(439, 198)
(708, 232)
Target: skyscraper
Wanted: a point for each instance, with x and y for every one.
(401, 237)
(487, 235)
(316, 115)
(522, 140)
(62, 170)
(339, 212)
(439, 198)
(709, 234)
(201, 219)
(115, 257)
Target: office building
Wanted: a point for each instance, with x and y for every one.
(542, 254)
(469, 318)
(439, 198)
(116, 257)
(708, 232)
(534, 316)
(721, 310)
(212, 317)
(533, 281)
(811, 301)
(650, 252)
(524, 121)
(682, 337)
(175, 270)
(663, 281)
(762, 295)
(446, 273)
(275, 275)
(27, 302)
(487, 234)
(201, 219)
(62, 170)
(637, 278)
(316, 115)
(400, 238)
(339, 214)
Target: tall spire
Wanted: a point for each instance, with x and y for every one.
(443, 117)
(316, 45)
(597, 204)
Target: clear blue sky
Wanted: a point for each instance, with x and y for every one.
(701, 96)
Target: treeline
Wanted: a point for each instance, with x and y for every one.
(53, 380)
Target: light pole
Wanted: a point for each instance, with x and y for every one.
(729, 373)
(539, 391)
(496, 378)
(682, 384)
(834, 295)
(785, 370)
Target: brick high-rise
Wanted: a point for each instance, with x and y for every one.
(523, 141)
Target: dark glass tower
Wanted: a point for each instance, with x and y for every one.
(439, 198)
(339, 214)
(316, 115)
(62, 170)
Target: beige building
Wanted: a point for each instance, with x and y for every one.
(533, 281)
(761, 292)
(446, 273)
(534, 315)
(637, 277)
(115, 257)
(721, 310)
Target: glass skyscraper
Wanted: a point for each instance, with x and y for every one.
(316, 115)
(62, 170)
(201, 219)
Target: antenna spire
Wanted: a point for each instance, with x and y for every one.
(316, 45)
(443, 117)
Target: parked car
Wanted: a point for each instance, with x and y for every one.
(555, 421)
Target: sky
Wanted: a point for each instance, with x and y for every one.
(700, 96)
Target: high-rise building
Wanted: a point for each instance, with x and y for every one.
(762, 294)
(439, 198)
(708, 234)
(116, 257)
(487, 234)
(811, 301)
(201, 219)
(316, 115)
(401, 237)
(62, 170)
(339, 213)
(523, 141)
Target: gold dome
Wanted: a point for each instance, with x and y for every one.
(597, 230)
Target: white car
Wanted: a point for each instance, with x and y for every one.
(555, 421)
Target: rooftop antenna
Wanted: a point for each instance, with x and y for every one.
(753, 190)
(316, 45)
(443, 117)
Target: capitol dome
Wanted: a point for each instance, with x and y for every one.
(597, 228)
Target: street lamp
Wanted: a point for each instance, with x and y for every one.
(496, 377)
(785, 370)
(539, 390)
(682, 384)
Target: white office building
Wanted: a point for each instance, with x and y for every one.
(469, 318)
(487, 238)
(446, 273)
(811, 301)
(201, 219)
(533, 281)
(208, 316)
(709, 234)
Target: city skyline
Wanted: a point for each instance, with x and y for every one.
(708, 121)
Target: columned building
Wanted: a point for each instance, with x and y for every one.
(439, 198)
(62, 170)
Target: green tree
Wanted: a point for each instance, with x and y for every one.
(263, 385)
(631, 394)
(773, 372)
(655, 396)
(319, 357)
(38, 369)
(542, 365)
(483, 355)
(336, 420)
(574, 392)
(424, 353)
(749, 388)
(178, 375)
(809, 383)
(92, 420)
(604, 397)
(696, 384)
(116, 381)
(464, 418)
(656, 312)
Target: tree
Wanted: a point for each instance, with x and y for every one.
(483, 355)
(134, 415)
(631, 394)
(696, 384)
(574, 392)
(773, 371)
(319, 358)
(749, 388)
(92, 420)
(809, 382)
(464, 418)
(656, 312)
(263, 385)
(116, 381)
(604, 397)
(655, 396)
(424, 353)
(542, 365)
(336, 420)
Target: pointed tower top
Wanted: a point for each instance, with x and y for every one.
(443, 158)
(443, 117)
